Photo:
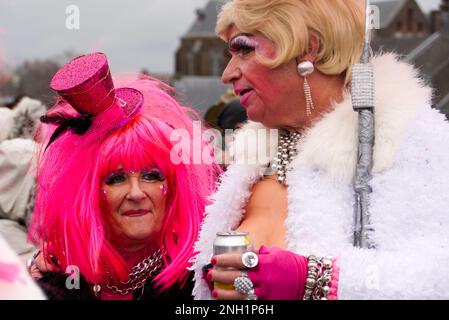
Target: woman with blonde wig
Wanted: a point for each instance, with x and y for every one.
(291, 65)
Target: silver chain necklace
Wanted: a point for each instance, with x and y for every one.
(137, 276)
(286, 153)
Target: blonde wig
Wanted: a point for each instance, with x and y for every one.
(339, 25)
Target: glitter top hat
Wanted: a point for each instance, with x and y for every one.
(86, 84)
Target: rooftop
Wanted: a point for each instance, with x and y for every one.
(388, 10)
(204, 25)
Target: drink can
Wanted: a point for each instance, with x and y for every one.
(231, 242)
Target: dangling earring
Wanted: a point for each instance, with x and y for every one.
(305, 69)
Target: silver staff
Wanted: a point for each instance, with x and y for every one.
(363, 103)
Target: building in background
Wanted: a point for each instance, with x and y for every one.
(201, 52)
(403, 26)
(422, 40)
(432, 56)
(200, 60)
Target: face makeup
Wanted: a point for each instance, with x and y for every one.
(135, 204)
(243, 44)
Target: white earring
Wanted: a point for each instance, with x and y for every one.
(305, 69)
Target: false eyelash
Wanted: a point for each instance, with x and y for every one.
(110, 179)
(242, 43)
(156, 172)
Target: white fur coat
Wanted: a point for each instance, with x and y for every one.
(409, 203)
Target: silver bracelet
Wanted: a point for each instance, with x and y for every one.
(319, 273)
(323, 282)
(312, 275)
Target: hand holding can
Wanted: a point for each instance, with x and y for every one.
(230, 242)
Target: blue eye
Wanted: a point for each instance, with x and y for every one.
(115, 178)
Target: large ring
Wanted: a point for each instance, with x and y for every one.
(243, 284)
(251, 295)
(250, 259)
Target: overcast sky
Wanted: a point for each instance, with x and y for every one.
(135, 34)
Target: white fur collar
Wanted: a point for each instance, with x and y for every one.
(332, 143)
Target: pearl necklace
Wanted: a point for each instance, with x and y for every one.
(286, 153)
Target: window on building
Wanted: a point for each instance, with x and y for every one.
(216, 62)
(420, 28)
(399, 32)
(190, 63)
(410, 16)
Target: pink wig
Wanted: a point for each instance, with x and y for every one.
(69, 214)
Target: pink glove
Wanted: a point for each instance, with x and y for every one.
(280, 275)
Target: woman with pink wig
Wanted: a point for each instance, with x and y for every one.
(114, 203)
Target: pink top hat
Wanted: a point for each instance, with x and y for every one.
(86, 84)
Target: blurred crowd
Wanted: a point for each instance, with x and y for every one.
(18, 124)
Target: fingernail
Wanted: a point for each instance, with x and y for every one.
(209, 276)
(207, 267)
(214, 261)
(214, 294)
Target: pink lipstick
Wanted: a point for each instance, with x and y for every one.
(135, 213)
(245, 97)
